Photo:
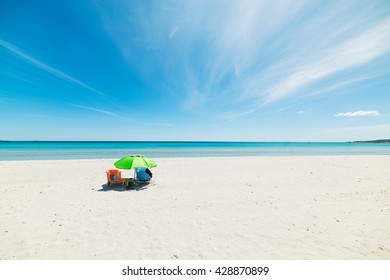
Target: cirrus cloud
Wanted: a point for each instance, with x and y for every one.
(358, 114)
(39, 64)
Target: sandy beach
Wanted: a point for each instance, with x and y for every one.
(314, 207)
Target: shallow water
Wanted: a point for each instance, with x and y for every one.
(33, 150)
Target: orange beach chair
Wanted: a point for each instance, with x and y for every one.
(114, 176)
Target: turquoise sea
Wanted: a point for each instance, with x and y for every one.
(32, 150)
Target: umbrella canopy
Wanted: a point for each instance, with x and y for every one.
(134, 161)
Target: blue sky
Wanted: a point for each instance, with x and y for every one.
(195, 70)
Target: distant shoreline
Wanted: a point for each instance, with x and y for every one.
(381, 141)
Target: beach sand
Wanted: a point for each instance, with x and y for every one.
(314, 207)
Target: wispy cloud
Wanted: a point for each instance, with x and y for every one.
(104, 112)
(354, 133)
(340, 85)
(234, 57)
(358, 114)
(173, 32)
(51, 70)
(45, 116)
(159, 124)
(379, 127)
(349, 54)
(6, 102)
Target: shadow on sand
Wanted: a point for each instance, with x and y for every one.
(121, 188)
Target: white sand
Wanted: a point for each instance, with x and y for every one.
(323, 207)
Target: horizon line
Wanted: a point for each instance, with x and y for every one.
(190, 141)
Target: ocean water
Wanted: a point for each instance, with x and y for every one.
(26, 150)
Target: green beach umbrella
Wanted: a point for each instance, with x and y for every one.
(134, 161)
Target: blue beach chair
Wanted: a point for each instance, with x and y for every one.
(143, 175)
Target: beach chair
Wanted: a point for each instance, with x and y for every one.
(114, 176)
(141, 176)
